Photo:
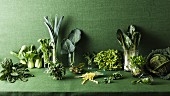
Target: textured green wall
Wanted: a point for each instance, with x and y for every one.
(21, 22)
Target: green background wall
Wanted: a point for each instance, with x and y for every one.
(21, 22)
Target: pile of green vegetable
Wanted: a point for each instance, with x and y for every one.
(109, 60)
(56, 70)
(158, 61)
(12, 72)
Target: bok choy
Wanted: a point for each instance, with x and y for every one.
(28, 55)
(21, 54)
(129, 42)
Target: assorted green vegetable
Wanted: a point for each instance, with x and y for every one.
(11, 72)
(109, 60)
(158, 61)
(129, 42)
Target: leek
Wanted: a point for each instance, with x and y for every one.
(54, 34)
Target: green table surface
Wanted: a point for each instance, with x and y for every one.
(42, 82)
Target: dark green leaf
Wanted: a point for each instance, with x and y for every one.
(123, 39)
(12, 72)
(67, 46)
(75, 36)
(136, 40)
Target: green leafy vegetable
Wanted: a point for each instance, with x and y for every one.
(38, 62)
(115, 76)
(75, 36)
(137, 61)
(109, 60)
(28, 55)
(146, 80)
(90, 58)
(21, 54)
(158, 63)
(129, 42)
(56, 70)
(137, 65)
(68, 45)
(77, 69)
(46, 50)
(12, 72)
